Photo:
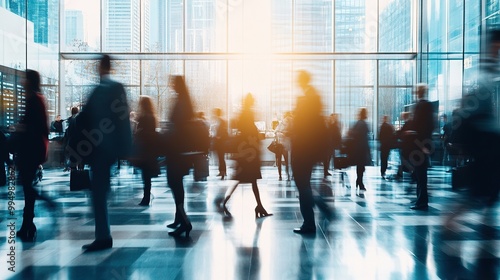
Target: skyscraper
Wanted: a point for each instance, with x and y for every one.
(74, 26)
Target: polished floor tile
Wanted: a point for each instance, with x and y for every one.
(371, 235)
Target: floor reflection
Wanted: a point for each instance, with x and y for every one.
(364, 235)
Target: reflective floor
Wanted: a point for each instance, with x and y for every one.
(373, 234)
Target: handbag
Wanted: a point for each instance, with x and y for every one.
(79, 180)
(275, 147)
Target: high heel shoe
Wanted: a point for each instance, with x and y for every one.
(146, 200)
(260, 212)
(361, 186)
(180, 230)
(175, 224)
(27, 233)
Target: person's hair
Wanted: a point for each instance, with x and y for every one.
(421, 89)
(363, 113)
(105, 62)
(32, 81)
(217, 112)
(74, 111)
(304, 77)
(249, 101)
(493, 36)
(146, 108)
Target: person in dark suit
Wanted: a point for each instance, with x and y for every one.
(386, 138)
(57, 125)
(361, 152)
(145, 144)
(32, 132)
(423, 125)
(70, 132)
(107, 127)
(220, 139)
(177, 164)
(336, 130)
(307, 133)
(248, 156)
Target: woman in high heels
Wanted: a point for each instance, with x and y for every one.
(32, 133)
(248, 156)
(220, 139)
(177, 164)
(361, 149)
(145, 136)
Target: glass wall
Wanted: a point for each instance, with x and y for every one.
(362, 53)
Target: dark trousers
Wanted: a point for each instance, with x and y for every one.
(101, 184)
(146, 180)
(360, 170)
(421, 177)
(302, 171)
(27, 171)
(384, 158)
(326, 163)
(175, 182)
(222, 161)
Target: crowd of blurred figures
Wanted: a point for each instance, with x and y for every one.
(106, 131)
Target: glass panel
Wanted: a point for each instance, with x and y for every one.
(121, 26)
(356, 25)
(174, 25)
(312, 26)
(79, 80)
(281, 25)
(396, 72)
(391, 102)
(354, 72)
(208, 91)
(81, 26)
(282, 84)
(205, 26)
(348, 101)
(395, 23)
(155, 83)
(455, 25)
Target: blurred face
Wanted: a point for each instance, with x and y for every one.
(58, 118)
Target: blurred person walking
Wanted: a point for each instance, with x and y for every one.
(248, 156)
(423, 125)
(220, 139)
(308, 138)
(282, 138)
(105, 118)
(386, 138)
(32, 142)
(361, 149)
(178, 165)
(146, 145)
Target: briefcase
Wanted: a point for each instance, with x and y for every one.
(341, 162)
(79, 180)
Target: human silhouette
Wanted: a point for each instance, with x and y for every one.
(32, 136)
(70, 132)
(247, 156)
(282, 137)
(308, 135)
(386, 138)
(220, 139)
(361, 149)
(423, 125)
(145, 144)
(105, 118)
(177, 164)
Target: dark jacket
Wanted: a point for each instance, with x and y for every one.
(361, 153)
(33, 139)
(248, 155)
(106, 119)
(423, 120)
(386, 137)
(308, 132)
(145, 141)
